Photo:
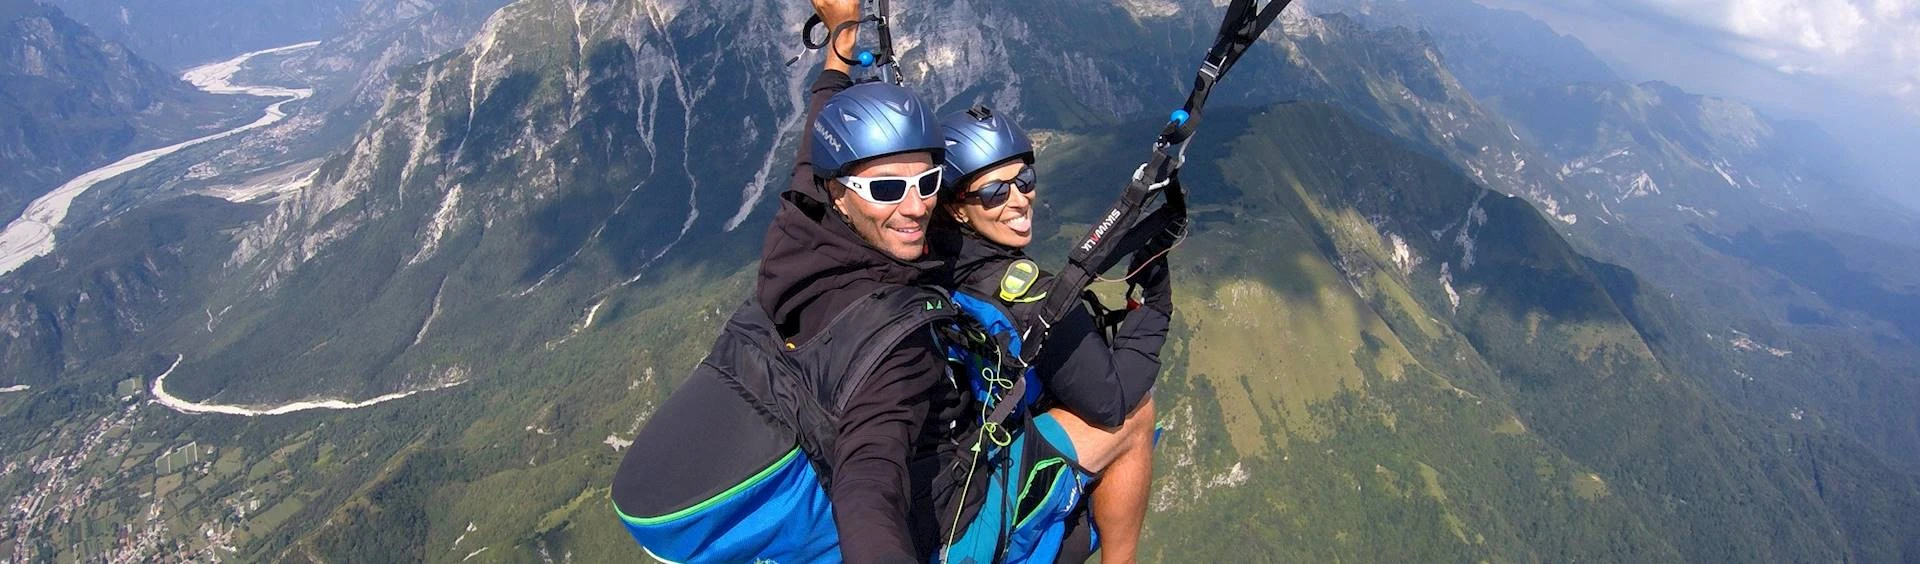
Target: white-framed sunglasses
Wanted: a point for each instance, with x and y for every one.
(889, 190)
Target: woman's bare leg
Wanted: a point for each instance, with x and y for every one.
(1124, 459)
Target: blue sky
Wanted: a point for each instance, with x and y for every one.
(1853, 66)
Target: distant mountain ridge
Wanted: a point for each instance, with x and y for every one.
(1493, 52)
(186, 33)
(1666, 151)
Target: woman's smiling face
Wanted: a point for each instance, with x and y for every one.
(1010, 223)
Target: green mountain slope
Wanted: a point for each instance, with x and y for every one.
(1732, 213)
(1541, 401)
(1651, 178)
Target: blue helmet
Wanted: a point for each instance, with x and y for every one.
(868, 120)
(977, 140)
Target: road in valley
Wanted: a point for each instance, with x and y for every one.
(175, 403)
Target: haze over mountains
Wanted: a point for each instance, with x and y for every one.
(71, 101)
(1456, 292)
(1849, 66)
(187, 33)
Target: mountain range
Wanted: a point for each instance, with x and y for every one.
(1421, 317)
(70, 101)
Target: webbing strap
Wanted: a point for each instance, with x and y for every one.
(889, 66)
(887, 318)
(1245, 20)
(1002, 410)
(1121, 231)
(1116, 236)
(879, 12)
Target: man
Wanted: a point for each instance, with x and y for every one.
(855, 221)
(903, 425)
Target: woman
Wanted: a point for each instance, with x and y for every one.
(1103, 389)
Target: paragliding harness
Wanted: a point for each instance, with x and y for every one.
(880, 58)
(774, 505)
(1021, 510)
(772, 502)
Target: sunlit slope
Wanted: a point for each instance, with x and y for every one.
(1379, 360)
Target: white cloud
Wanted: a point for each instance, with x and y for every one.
(1852, 66)
(1868, 43)
(1872, 46)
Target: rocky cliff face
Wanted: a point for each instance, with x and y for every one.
(383, 39)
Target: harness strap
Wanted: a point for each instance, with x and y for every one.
(889, 66)
(893, 314)
(1002, 411)
(1245, 20)
(1102, 248)
(879, 12)
(1107, 319)
(1121, 232)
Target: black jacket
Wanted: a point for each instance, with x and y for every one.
(1099, 381)
(812, 266)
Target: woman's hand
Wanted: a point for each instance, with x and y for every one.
(1154, 278)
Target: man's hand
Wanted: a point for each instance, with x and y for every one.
(836, 13)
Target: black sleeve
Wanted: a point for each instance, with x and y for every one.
(829, 82)
(1103, 383)
(869, 489)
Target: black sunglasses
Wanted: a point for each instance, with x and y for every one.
(994, 193)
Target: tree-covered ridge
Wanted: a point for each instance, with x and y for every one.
(1549, 392)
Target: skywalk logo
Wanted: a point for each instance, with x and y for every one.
(827, 135)
(1101, 231)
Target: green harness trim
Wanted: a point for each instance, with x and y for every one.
(717, 498)
(1033, 476)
